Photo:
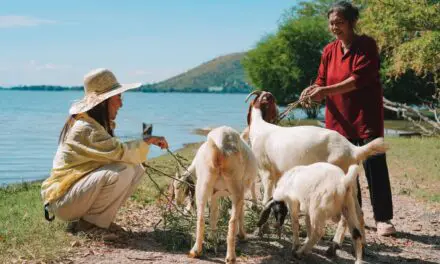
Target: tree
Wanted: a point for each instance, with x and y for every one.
(408, 35)
(286, 62)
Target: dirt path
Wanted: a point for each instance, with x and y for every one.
(417, 240)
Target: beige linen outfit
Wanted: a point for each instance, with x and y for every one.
(93, 173)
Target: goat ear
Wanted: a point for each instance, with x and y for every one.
(271, 113)
(264, 216)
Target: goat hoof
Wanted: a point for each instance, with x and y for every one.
(294, 253)
(295, 247)
(258, 232)
(230, 260)
(331, 251)
(242, 237)
(193, 254)
(298, 254)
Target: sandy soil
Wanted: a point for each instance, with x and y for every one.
(417, 240)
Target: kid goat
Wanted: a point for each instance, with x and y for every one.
(224, 165)
(278, 149)
(322, 191)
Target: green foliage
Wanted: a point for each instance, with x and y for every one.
(408, 34)
(286, 62)
(317, 8)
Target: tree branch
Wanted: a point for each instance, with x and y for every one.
(433, 126)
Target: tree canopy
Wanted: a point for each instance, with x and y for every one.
(407, 32)
(286, 62)
(408, 35)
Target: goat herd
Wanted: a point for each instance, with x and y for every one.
(305, 168)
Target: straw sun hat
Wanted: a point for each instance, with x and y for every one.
(99, 85)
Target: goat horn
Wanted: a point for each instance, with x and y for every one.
(252, 93)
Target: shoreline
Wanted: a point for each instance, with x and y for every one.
(390, 132)
(23, 184)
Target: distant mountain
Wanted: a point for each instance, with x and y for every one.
(222, 74)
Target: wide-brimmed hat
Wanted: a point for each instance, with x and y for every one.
(99, 85)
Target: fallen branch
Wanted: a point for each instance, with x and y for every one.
(429, 128)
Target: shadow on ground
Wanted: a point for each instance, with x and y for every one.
(265, 250)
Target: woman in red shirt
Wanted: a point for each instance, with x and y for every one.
(348, 78)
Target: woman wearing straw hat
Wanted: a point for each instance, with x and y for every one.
(94, 172)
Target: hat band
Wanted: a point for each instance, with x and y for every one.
(114, 86)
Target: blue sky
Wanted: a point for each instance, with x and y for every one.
(57, 42)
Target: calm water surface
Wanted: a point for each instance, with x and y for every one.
(30, 122)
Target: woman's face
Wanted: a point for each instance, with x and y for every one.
(114, 103)
(339, 26)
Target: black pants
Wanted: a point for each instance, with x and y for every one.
(376, 171)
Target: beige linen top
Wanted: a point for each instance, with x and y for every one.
(87, 147)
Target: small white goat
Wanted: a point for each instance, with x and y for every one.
(278, 149)
(224, 165)
(322, 191)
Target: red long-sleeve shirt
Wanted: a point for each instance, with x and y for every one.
(357, 114)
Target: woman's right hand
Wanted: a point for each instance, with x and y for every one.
(157, 141)
(307, 92)
(312, 92)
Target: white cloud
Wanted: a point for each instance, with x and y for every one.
(22, 21)
(34, 65)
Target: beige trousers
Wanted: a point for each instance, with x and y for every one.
(97, 197)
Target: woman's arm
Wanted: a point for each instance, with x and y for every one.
(317, 93)
(345, 86)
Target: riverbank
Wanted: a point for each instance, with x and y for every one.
(25, 234)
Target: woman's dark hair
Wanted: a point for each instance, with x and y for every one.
(99, 113)
(348, 11)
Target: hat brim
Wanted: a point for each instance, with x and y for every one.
(88, 102)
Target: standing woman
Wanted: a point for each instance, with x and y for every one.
(94, 172)
(348, 78)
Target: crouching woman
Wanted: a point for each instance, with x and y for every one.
(94, 172)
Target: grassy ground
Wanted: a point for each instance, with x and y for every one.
(24, 233)
(416, 163)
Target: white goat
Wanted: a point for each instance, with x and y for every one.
(224, 166)
(279, 149)
(322, 191)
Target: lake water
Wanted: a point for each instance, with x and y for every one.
(30, 123)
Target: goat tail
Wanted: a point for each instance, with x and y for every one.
(351, 177)
(377, 146)
(215, 153)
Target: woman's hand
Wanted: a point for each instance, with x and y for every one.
(158, 141)
(313, 92)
